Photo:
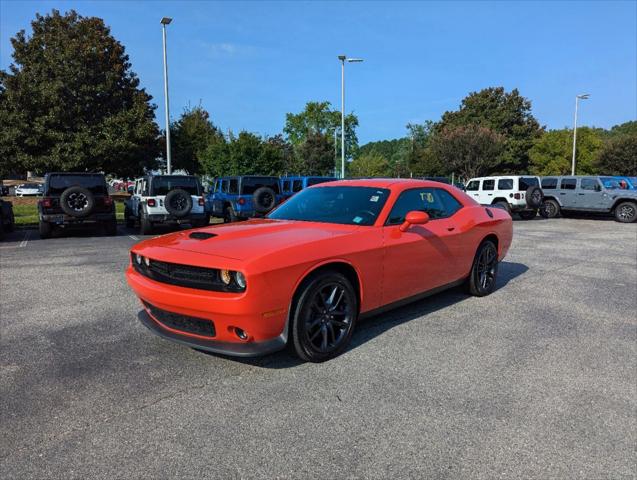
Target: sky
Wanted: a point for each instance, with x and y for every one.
(249, 63)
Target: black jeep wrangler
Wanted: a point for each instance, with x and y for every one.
(76, 199)
(7, 221)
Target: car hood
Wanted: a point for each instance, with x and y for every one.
(245, 240)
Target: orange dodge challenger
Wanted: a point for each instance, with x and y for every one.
(305, 274)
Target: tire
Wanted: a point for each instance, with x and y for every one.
(110, 228)
(534, 197)
(228, 215)
(130, 220)
(145, 225)
(528, 215)
(626, 212)
(317, 334)
(503, 206)
(549, 208)
(77, 201)
(202, 223)
(10, 227)
(178, 203)
(484, 271)
(45, 229)
(264, 199)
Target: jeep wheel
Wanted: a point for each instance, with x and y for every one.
(527, 214)
(77, 201)
(145, 225)
(228, 215)
(264, 199)
(9, 227)
(178, 203)
(110, 227)
(503, 206)
(534, 197)
(130, 221)
(626, 212)
(46, 229)
(549, 209)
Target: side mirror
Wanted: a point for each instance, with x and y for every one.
(415, 217)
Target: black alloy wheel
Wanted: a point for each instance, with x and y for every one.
(549, 209)
(324, 317)
(484, 272)
(77, 201)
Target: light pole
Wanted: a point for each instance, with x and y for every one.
(577, 99)
(343, 59)
(166, 21)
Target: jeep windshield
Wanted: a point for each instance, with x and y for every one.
(164, 184)
(58, 183)
(250, 184)
(343, 205)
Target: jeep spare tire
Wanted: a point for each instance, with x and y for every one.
(534, 197)
(264, 199)
(178, 202)
(77, 201)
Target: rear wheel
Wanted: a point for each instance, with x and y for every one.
(484, 271)
(626, 212)
(145, 225)
(228, 215)
(130, 220)
(45, 229)
(10, 226)
(528, 215)
(324, 317)
(549, 208)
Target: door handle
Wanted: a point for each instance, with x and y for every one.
(562, 193)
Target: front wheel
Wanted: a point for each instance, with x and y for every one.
(228, 215)
(484, 271)
(324, 317)
(130, 220)
(110, 228)
(626, 212)
(45, 229)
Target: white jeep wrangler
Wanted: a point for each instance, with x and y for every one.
(166, 199)
(513, 193)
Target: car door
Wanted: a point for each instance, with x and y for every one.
(487, 191)
(217, 198)
(568, 193)
(423, 257)
(590, 195)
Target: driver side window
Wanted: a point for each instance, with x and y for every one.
(437, 203)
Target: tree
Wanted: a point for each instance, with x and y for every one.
(552, 153)
(316, 154)
(190, 136)
(508, 114)
(618, 156)
(370, 165)
(70, 101)
(470, 150)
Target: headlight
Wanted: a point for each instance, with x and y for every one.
(147, 261)
(226, 277)
(240, 279)
(138, 258)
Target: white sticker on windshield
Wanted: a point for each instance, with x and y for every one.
(374, 198)
(357, 219)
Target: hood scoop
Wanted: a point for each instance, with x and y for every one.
(201, 235)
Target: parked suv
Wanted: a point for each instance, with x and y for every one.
(166, 199)
(291, 185)
(515, 194)
(595, 194)
(73, 199)
(237, 198)
(7, 220)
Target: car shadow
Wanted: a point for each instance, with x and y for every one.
(372, 327)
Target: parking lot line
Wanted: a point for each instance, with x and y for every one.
(25, 240)
(133, 237)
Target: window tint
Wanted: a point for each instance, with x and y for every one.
(568, 184)
(59, 183)
(224, 186)
(250, 184)
(526, 182)
(297, 185)
(435, 202)
(505, 184)
(286, 185)
(549, 183)
(316, 181)
(488, 184)
(164, 184)
(473, 185)
(589, 183)
(233, 189)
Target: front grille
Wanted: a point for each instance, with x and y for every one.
(188, 276)
(184, 323)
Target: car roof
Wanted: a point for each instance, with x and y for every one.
(383, 183)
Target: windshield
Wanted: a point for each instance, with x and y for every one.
(59, 183)
(164, 184)
(343, 205)
(250, 184)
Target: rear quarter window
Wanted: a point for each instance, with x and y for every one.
(505, 184)
(526, 182)
(568, 184)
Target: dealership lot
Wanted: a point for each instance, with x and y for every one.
(535, 381)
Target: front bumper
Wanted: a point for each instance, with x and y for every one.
(252, 349)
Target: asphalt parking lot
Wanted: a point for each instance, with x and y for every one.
(538, 380)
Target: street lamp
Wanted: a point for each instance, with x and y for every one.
(343, 59)
(577, 99)
(166, 21)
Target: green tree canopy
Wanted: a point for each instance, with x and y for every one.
(71, 102)
(552, 153)
(316, 155)
(618, 156)
(190, 136)
(371, 164)
(469, 151)
(506, 113)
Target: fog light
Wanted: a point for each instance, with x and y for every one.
(226, 278)
(241, 334)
